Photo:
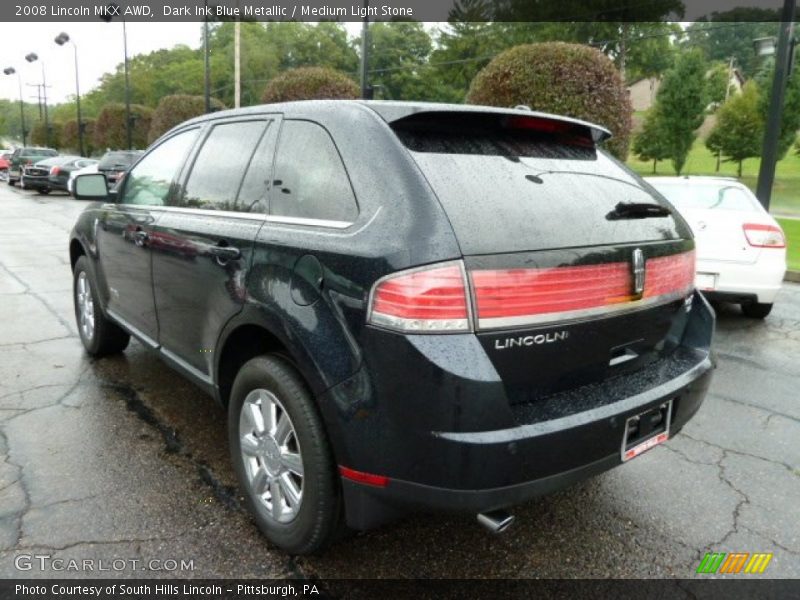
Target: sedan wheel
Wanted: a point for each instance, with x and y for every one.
(83, 297)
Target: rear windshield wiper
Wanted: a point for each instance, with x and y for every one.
(637, 210)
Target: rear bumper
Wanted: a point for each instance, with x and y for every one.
(37, 183)
(498, 467)
(741, 282)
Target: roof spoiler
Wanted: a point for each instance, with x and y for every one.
(408, 115)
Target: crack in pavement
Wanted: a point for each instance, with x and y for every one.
(51, 309)
(772, 412)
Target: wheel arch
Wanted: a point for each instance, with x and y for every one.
(251, 334)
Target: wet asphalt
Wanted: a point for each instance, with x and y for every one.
(121, 459)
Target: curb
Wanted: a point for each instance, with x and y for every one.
(793, 276)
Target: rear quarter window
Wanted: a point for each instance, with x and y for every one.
(310, 180)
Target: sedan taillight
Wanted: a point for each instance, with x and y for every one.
(430, 299)
(764, 236)
(55, 171)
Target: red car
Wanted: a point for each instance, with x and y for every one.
(5, 158)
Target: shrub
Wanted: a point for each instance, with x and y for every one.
(174, 110)
(39, 138)
(310, 83)
(69, 136)
(565, 79)
(109, 129)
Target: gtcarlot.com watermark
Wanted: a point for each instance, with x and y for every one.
(45, 562)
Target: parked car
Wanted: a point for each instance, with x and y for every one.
(403, 306)
(5, 161)
(92, 168)
(61, 174)
(26, 156)
(741, 249)
(45, 175)
(115, 163)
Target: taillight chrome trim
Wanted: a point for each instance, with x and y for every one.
(611, 310)
(403, 325)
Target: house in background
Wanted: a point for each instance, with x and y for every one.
(643, 92)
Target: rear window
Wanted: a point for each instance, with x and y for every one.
(39, 152)
(512, 190)
(114, 159)
(707, 196)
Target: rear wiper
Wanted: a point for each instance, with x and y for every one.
(637, 210)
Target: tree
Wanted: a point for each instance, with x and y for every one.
(731, 34)
(790, 117)
(650, 143)
(310, 83)
(175, 109)
(738, 133)
(567, 79)
(398, 56)
(718, 83)
(110, 131)
(40, 138)
(682, 100)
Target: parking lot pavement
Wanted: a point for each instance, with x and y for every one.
(122, 459)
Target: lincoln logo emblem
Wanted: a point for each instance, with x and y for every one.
(638, 271)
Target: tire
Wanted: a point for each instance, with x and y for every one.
(43, 191)
(311, 524)
(756, 310)
(11, 182)
(103, 337)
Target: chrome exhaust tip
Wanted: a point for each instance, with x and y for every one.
(496, 521)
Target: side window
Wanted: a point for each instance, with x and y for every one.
(310, 180)
(220, 165)
(149, 182)
(253, 195)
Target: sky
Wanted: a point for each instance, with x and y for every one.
(100, 50)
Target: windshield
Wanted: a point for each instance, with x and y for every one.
(707, 196)
(114, 159)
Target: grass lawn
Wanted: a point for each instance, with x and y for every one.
(785, 193)
(791, 227)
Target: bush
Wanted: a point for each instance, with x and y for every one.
(109, 129)
(564, 79)
(69, 136)
(310, 83)
(38, 137)
(174, 110)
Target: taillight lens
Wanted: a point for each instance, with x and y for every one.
(764, 236)
(431, 299)
(55, 171)
(510, 297)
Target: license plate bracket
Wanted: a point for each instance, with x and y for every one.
(646, 430)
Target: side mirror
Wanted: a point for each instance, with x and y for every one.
(91, 186)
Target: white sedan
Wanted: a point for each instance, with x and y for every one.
(741, 249)
(89, 169)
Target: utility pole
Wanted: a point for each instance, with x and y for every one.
(206, 65)
(769, 153)
(237, 63)
(365, 91)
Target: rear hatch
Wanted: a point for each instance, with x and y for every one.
(577, 273)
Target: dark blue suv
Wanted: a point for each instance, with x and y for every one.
(403, 306)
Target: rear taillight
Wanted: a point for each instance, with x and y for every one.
(764, 236)
(430, 299)
(512, 297)
(435, 299)
(55, 171)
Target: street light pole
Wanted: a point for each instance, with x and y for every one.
(31, 58)
(12, 71)
(62, 39)
(206, 66)
(112, 9)
(769, 153)
(364, 50)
